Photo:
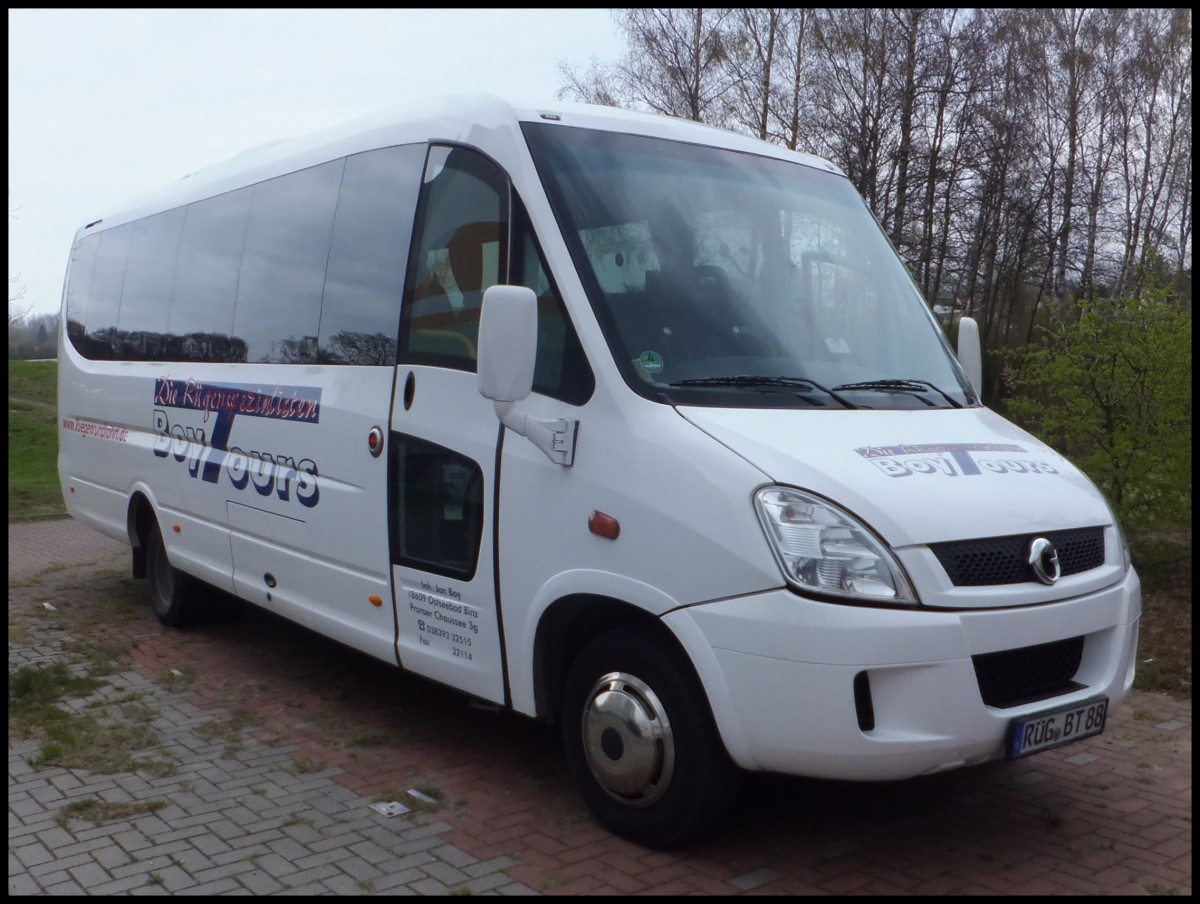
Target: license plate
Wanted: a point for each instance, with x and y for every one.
(1055, 727)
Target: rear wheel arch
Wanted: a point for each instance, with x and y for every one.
(172, 594)
(140, 520)
(177, 598)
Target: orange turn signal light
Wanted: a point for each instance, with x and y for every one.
(603, 525)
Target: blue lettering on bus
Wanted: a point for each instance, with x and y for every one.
(208, 454)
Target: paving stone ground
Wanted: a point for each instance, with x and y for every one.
(270, 745)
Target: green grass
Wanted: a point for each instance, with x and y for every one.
(75, 740)
(36, 381)
(33, 487)
(33, 695)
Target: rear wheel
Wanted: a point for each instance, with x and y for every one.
(641, 742)
(171, 592)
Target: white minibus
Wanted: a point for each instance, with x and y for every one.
(610, 419)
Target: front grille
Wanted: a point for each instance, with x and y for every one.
(1004, 560)
(1013, 677)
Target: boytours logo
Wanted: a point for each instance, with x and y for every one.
(207, 457)
(953, 459)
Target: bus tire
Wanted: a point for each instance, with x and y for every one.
(171, 592)
(641, 743)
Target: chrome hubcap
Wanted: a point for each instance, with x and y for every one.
(627, 740)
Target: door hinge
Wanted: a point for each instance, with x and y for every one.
(564, 431)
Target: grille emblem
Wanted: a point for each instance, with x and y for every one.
(1043, 559)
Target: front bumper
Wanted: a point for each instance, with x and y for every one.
(780, 673)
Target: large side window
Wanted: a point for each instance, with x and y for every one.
(79, 281)
(278, 309)
(460, 249)
(206, 278)
(146, 295)
(360, 311)
(104, 298)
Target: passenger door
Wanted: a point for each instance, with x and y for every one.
(442, 459)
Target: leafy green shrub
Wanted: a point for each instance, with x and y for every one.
(1111, 388)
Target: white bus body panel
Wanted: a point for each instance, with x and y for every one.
(688, 532)
(245, 515)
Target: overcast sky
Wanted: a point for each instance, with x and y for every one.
(105, 105)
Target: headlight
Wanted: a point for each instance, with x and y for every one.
(825, 550)
(1122, 544)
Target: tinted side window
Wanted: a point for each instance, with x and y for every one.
(146, 296)
(562, 370)
(266, 273)
(278, 309)
(104, 297)
(438, 507)
(206, 278)
(360, 311)
(79, 280)
(460, 249)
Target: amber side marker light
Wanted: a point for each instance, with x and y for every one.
(176, 528)
(603, 525)
(375, 600)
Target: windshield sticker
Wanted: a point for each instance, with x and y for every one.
(207, 456)
(952, 459)
(651, 362)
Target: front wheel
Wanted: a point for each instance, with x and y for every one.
(641, 742)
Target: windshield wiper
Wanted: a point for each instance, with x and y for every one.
(799, 384)
(900, 386)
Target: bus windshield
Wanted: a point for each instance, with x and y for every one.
(726, 278)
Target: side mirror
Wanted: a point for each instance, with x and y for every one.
(507, 354)
(507, 343)
(970, 354)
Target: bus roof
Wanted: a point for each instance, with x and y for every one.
(482, 120)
